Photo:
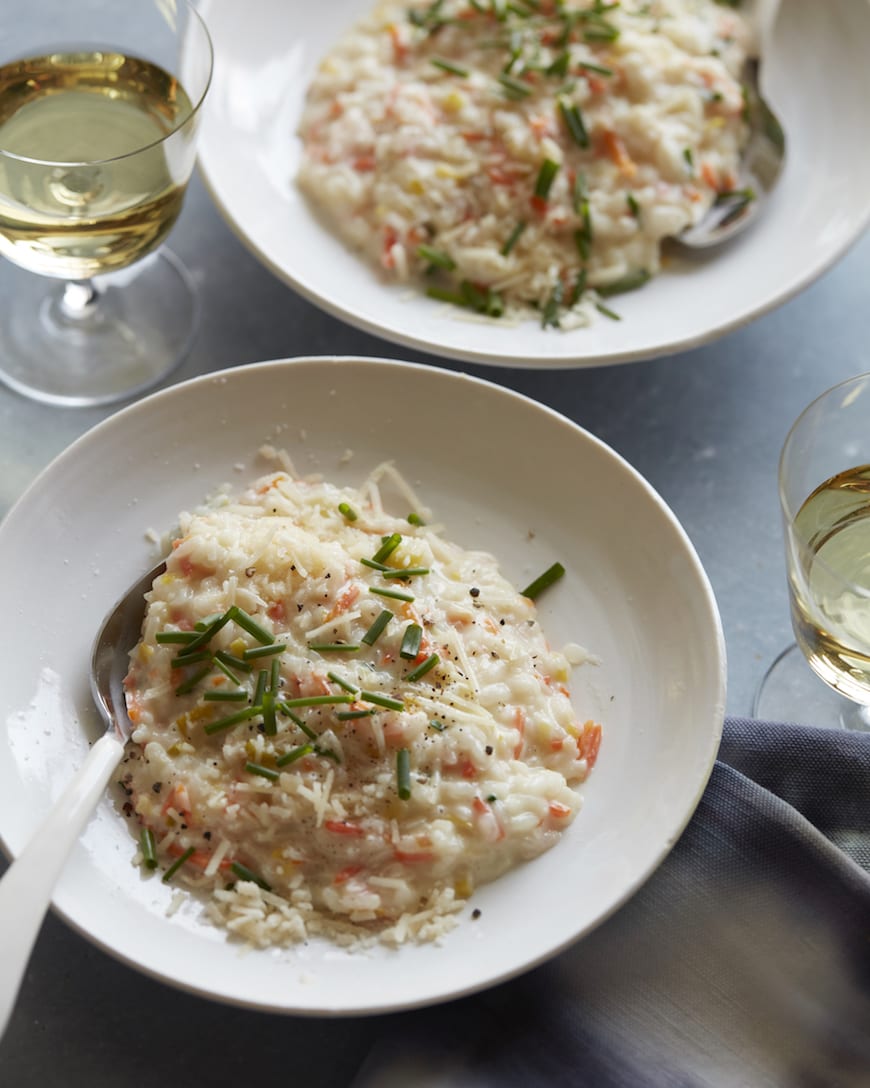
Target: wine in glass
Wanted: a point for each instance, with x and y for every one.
(100, 103)
(824, 490)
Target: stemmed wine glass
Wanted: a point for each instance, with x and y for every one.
(98, 122)
(824, 490)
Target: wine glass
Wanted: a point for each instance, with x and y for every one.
(824, 490)
(99, 111)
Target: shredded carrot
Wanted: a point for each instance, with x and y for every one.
(709, 175)
(277, 611)
(520, 723)
(344, 600)
(590, 742)
(616, 149)
(400, 46)
(539, 203)
(346, 873)
(404, 855)
(344, 827)
(559, 810)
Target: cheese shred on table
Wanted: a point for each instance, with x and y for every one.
(344, 723)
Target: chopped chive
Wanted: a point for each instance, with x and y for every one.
(294, 754)
(297, 721)
(573, 119)
(168, 637)
(633, 206)
(550, 575)
(388, 546)
(220, 724)
(395, 594)
(206, 635)
(336, 679)
(347, 715)
(176, 865)
(260, 689)
(689, 157)
(249, 624)
(546, 176)
(449, 66)
(148, 847)
(221, 696)
(377, 628)
(491, 799)
(202, 624)
(601, 32)
(437, 258)
(194, 659)
(578, 288)
(264, 651)
(228, 673)
(244, 873)
(334, 647)
(628, 283)
(424, 667)
(270, 726)
(612, 314)
(190, 683)
(439, 727)
(590, 67)
(346, 510)
(275, 676)
(403, 773)
(327, 753)
(559, 67)
(406, 572)
(580, 194)
(514, 87)
(316, 700)
(411, 641)
(263, 772)
(513, 237)
(381, 700)
(442, 294)
(550, 314)
(232, 662)
(375, 566)
(415, 519)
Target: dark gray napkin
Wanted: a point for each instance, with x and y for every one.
(744, 961)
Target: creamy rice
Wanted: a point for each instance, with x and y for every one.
(533, 150)
(413, 735)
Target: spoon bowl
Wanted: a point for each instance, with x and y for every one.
(27, 885)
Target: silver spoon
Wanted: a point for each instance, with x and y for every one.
(26, 887)
(760, 167)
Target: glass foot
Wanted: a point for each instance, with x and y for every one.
(87, 344)
(791, 692)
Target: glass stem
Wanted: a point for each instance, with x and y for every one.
(79, 299)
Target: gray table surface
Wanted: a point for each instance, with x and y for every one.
(704, 427)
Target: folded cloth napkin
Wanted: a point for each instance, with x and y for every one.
(744, 961)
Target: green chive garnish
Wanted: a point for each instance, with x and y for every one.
(205, 636)
(263, 772)
(437, 258)
(628, 283)
(264, 651)
(513, 238)
(439, 727)
(550, 314)
(415, 519)
(275, 676)
(327, 753)
(297, 721)
(612, 314)
(148, 847)
(411, 641)
(220, 724)
(375, 566)
(346, 510)
(423, 667)
(249, 624)
(406, 572)
(395, 594)
(560, 65)
(334, 647)
(176, 865)
(546, 176)
(403, 773)
(381, 700)
(244, 873)
(573, 119)
(689, 157)
(388, 546)
(270, 726)
(347, 715)
(168, 637)
(260, 689)
(376, 630)
(590, 67)
(220, 695)
(633, 206)
(514, 87)
(232, 662)
(294, 754)
(316, 700)
(550, 575)
(449, 66)
(228, 673)
(336, 679)
(193, 659)
(191, 682)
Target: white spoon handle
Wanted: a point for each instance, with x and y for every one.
(25, 890)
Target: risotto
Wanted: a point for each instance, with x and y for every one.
(344, 723)
(533, 154)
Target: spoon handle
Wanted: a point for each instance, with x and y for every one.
(25, 890)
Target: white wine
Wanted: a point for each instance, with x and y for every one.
(829, 581)
(95, 154)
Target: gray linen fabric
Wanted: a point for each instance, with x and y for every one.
(744, 962)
